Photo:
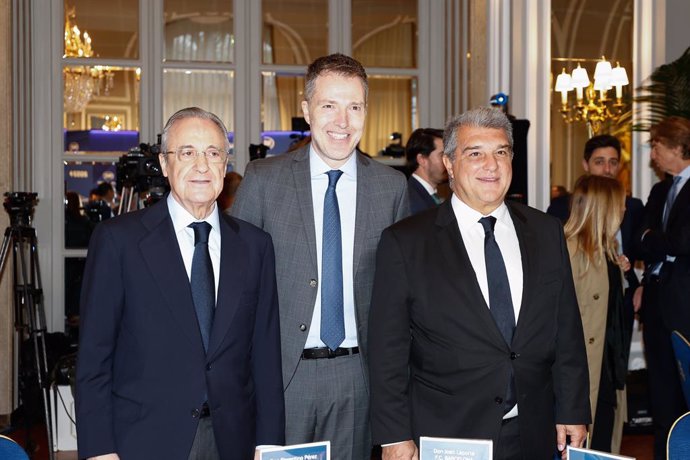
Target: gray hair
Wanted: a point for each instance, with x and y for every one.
(338, 64)
(193, 112)
(482, 117)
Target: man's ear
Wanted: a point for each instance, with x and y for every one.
(585, 165)
(305, 111)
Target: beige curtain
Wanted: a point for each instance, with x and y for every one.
(389, 108)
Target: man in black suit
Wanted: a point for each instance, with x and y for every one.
(447, 358)
(179, 353)
(424, 152)
(665, 247)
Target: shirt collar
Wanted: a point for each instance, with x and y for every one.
(181, 218)
(685, 174)
(427, 186)
(318, 167)
(467, 216)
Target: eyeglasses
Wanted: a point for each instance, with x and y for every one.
(189, 154)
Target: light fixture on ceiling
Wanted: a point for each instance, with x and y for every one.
(82, 83)
(592, 104)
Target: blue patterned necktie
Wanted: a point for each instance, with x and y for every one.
(332, 321)
(670, 198)
(500, 300)
(202, 282)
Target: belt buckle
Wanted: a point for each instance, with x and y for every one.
(331, 353)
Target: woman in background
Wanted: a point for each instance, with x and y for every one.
(597, 208)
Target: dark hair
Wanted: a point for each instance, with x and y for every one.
(481, 117)
(600, 141)
(421, 141)
(673, 132)
(104, 188)
(338, 64)
(193, 112)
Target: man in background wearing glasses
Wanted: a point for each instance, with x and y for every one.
(179, 353)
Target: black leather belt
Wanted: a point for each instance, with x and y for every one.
(325, 352)
(204, 411)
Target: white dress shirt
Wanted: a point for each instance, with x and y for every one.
(346, 191)
(430, 189)
(181, 218)
(504, 231)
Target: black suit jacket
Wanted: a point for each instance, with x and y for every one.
(420, 200)
(142, 370)
(674, 302)
(438, 363)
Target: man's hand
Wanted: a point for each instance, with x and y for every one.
(577, 433)
(406, 450)
(105, 457)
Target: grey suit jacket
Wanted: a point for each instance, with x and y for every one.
(275, 195)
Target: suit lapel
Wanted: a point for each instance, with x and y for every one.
(452, 246)
(528, 254)
(162, 257)
(679, 203)
(362, 210)
(231, 280)
(301, 174)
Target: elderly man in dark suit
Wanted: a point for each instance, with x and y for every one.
(474, 329)
(424, 152)
(665, 247)
(179, 352)
(325, 206)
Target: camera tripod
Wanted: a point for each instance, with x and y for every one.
(29, 314)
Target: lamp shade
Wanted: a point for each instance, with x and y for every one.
(619, 77)
(603, 70)
(580, 79)
(563, 82)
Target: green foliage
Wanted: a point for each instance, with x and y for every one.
(665, 94)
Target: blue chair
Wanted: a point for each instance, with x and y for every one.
(10, 450)
(681, 348)
(678, 444)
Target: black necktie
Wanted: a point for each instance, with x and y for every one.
(500, 300)
(332, 316)
(202, 282)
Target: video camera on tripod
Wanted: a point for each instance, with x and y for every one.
(140, 176)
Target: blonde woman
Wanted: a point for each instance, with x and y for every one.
(597, 208)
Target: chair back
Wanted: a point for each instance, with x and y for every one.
(681, 348)
(10, 450)
(678, 443)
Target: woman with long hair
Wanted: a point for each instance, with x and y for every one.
(597, 208)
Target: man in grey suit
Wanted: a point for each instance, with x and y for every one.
(325, 206)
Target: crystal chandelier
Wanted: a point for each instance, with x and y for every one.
(82, 83)
(596, 108)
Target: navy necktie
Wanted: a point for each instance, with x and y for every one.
(202, 282)
(670, 198)
(332, 320)
(500, 300)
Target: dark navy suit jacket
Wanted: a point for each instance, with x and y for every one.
(420, 199)
(142, 372)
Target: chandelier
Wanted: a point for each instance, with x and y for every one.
(592, 104)
(82, 83)
(111, 123)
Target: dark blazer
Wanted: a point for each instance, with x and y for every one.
(142, 371)
(674, 301)
(420, 199)
(438, 363)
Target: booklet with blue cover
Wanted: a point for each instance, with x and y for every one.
(311, 451)
(576, 453)
(455, 449)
